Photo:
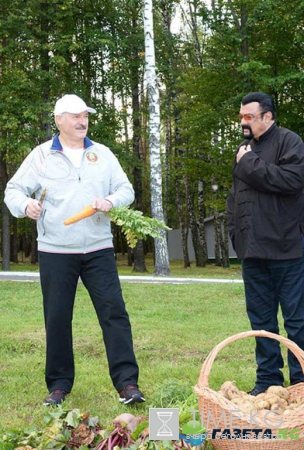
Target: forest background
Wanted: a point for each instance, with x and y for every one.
(222, 50)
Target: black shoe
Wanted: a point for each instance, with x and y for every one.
(55, 397)
(131, 394)
(256, 391)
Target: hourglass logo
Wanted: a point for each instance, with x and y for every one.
(164, 424)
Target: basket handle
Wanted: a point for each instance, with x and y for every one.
(203, 380)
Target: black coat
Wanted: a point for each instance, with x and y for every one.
(266, 202)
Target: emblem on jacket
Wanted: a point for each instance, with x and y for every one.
(92, 157)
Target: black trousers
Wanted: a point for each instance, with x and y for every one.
(270, 284)
(59, 275)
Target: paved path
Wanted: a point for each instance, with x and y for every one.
(34, 276)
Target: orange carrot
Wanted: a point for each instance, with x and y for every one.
(87, 211)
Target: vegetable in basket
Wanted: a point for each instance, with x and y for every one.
(275, 398)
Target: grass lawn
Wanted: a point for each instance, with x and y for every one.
(174, 328)
(176, 268)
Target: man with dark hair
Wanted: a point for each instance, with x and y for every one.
(265, 101)
(266, 227)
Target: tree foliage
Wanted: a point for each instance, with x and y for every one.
(223, 50)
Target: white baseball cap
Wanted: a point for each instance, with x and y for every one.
(73, 104)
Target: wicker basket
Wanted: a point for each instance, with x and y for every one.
(213, 404)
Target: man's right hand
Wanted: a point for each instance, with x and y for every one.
(242, 150)
(33, 209)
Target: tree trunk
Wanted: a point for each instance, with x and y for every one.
(121, 239)
(168, 149)
(180, 181)
(182, 224)
(193, 12)
(14, 242)
(198, 251)
(225, 247)
(166, 10)
(5, 217)
(130, 257)
(217, 239)
(201, 222)
(114, 230)
(26, 244)
(161, 247)
(139, 257)
(5, 238)
(138, 252)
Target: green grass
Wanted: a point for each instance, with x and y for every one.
(176, 268)
(174, 329)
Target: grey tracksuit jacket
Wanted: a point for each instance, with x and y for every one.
(68, 190)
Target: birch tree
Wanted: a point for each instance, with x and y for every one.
(161, 264)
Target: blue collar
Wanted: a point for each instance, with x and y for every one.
(56, 145)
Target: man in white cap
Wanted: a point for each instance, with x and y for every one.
(64, 175)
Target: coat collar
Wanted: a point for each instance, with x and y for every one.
(56, 145)
(267, 133)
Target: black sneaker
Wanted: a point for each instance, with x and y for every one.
(55, 397)
(131, 394)
(256, 391)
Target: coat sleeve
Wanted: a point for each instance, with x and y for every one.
(22, 185)
(286, 176)
(121, 190)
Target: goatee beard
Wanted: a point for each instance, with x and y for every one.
(247, 135)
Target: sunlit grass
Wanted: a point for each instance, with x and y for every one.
(174, 328)
(176, 268)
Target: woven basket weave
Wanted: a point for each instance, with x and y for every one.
(213, 404)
